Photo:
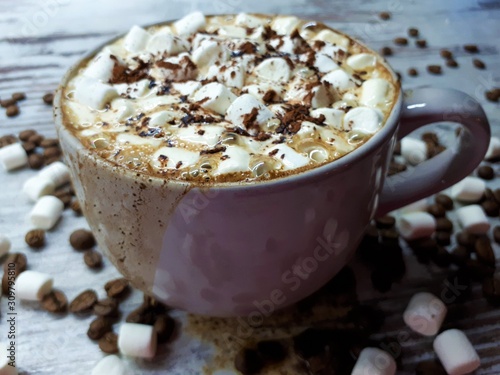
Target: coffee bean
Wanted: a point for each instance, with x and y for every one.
(271, 351)
(7, 103)
(12, 110)
(488, 195)
(164, 327)
(99, 327)
(18, 96)
(35, 161)
(29, 147)
(92, 259)
(142, 315)
(423, 249)
(484, 251)
(20, 262)
(51, 152)
(384, 16)
(413, 32)
(434, 69)
(496, 234)
(412, 72)
(466, 239)
(106, 307)
(445, 201)
(75, 207)
(451, 63)
(443, 238)
(430, 368)
(7, 140)
(35, 238)
(82, 239)
(386, 51)
(48, 98)
(478, 270)
(492, 95)
(430, 137)
(117, 288)
(109, 343)
(26, 134)
(442, 258)
(83, 302)
(460, 255)
(496, 195)
(401, 41)
(248, 362)
(436, 210)
(55, 301)
(421, 43)
(471, 48)
(36, 139)
(479, 64)
(446, 54)
(49, 142)
(486, 172)
(491, 208)
(65, 197)
(444, 225)
(491, 290)
(385, 222)
(395, 168)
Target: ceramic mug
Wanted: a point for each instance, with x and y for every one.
(237, 248)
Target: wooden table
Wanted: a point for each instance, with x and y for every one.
(39, 40)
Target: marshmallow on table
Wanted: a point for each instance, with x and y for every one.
(418, 206)
(33, 285)
(13, 156)
(274, 69)
(456, 353)
(493, 151)
(363, 119)
(473, 219)
(215, 97)
(5, 368)
(136, 39)
(470, 189)
(374, 361)
(190, 23)
(361, 61)
(46, 212)
(110, 365)
(374, 92)
(413, 150)
(58, 172)
(416, 225)
(100, 67)
(4, 245)
(137, 340)
(425, 314)
(93, 93)
(38, 186)
(243, 106)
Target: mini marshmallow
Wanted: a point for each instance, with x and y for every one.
(230, 75)
(333, 38)
(5, 367)
(248, 20)
(361, 61)
(493, 151)
(174, 158)
(57, 172)
(123, 109)
(324, 63)
(133, 90)
(473, 219)
(243, 106)
(137, 340)
(238, 161)
(209, 52)
(160, 119)
(110, 365)
(290, 158)
(274, 69)
(333, 117)
(425, 313)
(418, 206)
(210, 137)
(374, 92)
(416, 225)
(374, 361)
(93, 93)
(165, 42)
(413, 150)
(187, 88)
(285, 25)
(456, 353)
(46, 212)
(4, 245)
(33, 285)
(190, 23)
(339, 79)
(100, 67)
(233, 31)
(363, 119)
(38, 186)
(136, 39)
(470, 189)
(215, 96)
(13, 156)
(320, 97)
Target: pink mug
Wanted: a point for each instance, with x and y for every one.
(242, 248)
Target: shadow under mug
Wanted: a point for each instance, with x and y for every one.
(242, 248)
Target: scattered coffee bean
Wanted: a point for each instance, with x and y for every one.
(412, 72)
(117, 288)
(92, 259)
(434, 69)
(164, 327)
(55, 301)
(385, 222)
(106, 307)
(18, 96)
(7, 103)
(492, 95)
(421, 43)
(248, 362)
(49, 142)
(491, 290)
(401, 41)
(271, 351)
(35, 161)
(51, 152)
(64, 196)
(82, 239)
(445, 201)
(35, 238)
(12, 110)
(141, 315)
(479, 64)
(488, 195)
(83, 302)
(424, 249)
(386, 51)
(471, 48)
(48, 98)
(109, 343)
(496, 234)
(491, 208)
(484, 251)
(384, 16)
(446, 54)
(460, 255)
(20, 263)
(444, 225)
(413, 32)
(442, 258)
(451, 63)
(486, 172)
(443, 238)
(7, 140)
(36, 139)
(99, 327)
(466, 239)
(29, 147)
(496, 195)
(436, 210)
(26, 134)
(430, 368)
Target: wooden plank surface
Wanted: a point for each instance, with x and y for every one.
(39, 40)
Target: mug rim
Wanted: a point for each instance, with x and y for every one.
(312, 174)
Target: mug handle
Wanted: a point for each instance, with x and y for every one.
(424, 106)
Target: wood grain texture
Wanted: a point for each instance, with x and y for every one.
(39, 40)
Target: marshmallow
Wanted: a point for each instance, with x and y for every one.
(190, 23)
(136, 39)
(100, 67)
(274, 69)
(493, 151)
(93, 93)
(46, 212)
(232, 76)
(289, 157)
(413, 150)
(339, 79)
(171, 157)
(160, 119)
(470, 189)
(209, 52)
(473, 219)
(363, 119)
(233, 31)
(237, 161)
(361, 61)
(285, 25)
(333, 117)
(321, 97)
(5, 367)
(243, 106)
(165, 42)
(13, 156)
(33, 285)
(210, 136)
(110, 365)
(425, 313)
(416, 225)
(333, 38)
(260, 90)
(4, 245)
(57, 172)
(137, 340)
(133, 90)
(374, 92)
(324, 63)
(122, 108)
(38, 186)
(374, 361)
(248, 20)
(417, 206)
(283, 44)
(456, 353)
(187, 88)
(215, 96)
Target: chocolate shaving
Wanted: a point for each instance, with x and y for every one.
(240, 131)
(268, 33)
(269, 96)
(214, 150)
(122, 74)
(247, 48)
(168, 65)
(273, 152)
(262, 136)
(291, 121)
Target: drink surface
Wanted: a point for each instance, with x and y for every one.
(229, 98)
